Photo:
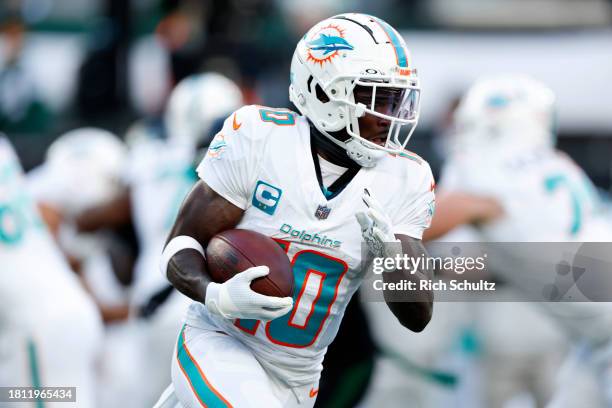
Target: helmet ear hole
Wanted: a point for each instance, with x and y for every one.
(321, 95)
(310, 78)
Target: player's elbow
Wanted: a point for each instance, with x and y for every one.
(173, 276)
(419, 322)
(414, 316)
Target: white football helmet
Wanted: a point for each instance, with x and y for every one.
(196, 102)
(511, 109)
(348, 51)
(83, 168)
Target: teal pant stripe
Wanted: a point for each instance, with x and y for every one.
(199, 384)
(34, 371)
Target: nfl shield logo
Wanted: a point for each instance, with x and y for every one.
(322, 212)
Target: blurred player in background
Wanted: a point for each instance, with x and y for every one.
(505, 176)
(83, 169)
(50, 330)
(338, 171)
(159, 174)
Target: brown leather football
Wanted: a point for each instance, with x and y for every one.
(234, 251)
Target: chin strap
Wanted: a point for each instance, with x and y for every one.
(335, 153)
(350, 153)
(363, 155)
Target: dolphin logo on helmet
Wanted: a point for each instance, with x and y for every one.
(329, 43)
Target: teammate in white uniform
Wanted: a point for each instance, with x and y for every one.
(97, 156)
(50, 330)
(264, 171)
(503, 154)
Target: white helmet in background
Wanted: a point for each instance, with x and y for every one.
(512, 110)
(196, 103)
(83, 168)
(348, 51)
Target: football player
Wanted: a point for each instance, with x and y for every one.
(97, 156)
(50, 330)
(65, 199)
(505, 176)
(322, 183)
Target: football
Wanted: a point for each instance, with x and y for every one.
(234, 251)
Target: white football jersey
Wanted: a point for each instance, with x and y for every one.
(261, 162)
(41, 299)
(160, 175)
(546, 197)
(33, 269)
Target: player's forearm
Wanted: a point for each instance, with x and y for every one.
(414, 312)
(187, 273)
(203, 214)
(414, 308)
(113, 214)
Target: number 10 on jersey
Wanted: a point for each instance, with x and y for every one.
(317, 278)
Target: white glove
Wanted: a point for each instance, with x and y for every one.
(377, 229)
(234, 298)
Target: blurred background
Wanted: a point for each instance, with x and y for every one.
(69, 63)
(112, 64)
